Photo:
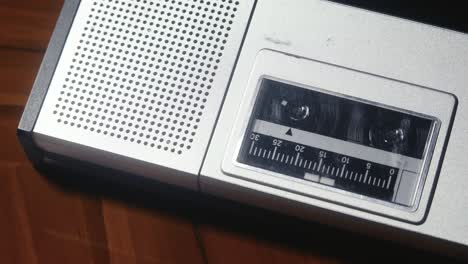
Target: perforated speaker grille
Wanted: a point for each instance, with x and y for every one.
(143, 70)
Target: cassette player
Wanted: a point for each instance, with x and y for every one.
(314, 109)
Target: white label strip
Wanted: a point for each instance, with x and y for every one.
(338, 146)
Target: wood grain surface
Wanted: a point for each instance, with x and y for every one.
(42, 222)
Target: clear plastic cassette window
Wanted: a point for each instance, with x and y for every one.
(345, 144)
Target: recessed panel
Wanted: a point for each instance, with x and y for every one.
(339, 136)
(363, 148)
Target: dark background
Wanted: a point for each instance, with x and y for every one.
(449, 14)
(83, 221)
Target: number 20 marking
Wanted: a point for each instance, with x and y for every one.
(300, 148)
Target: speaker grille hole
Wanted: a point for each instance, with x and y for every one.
(143, 70)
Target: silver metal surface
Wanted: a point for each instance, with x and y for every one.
(409, 53)
(46, 71)
(143, 80)
(350, 83)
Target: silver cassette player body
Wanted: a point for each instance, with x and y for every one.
(312, 108)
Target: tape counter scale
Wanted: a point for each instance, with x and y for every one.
(338, 142)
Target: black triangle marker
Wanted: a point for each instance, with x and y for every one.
(289, 133)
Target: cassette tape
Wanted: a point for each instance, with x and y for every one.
(360, 148)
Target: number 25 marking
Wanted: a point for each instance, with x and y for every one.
(277, 142)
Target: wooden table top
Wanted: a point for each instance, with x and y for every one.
(41, 222)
